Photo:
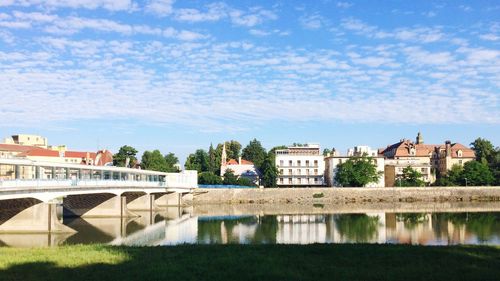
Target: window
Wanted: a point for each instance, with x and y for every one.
(281, 163)
(299, 180)
(290, 181)
(423, 170)
(340, 161)
(307, 163)
(290, 163)
(460, 162)
(298, 171)
(308, 172)
(290, 171)
(298, 163)
(459, 153)
(315, 171)
(315, 163)
(281, 180)
(281, 171)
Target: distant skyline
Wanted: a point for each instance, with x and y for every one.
(179, 75)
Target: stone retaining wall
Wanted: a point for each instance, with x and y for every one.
(345, 195)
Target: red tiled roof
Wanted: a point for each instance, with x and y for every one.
(402, 149)
(14, 147)
(235, 162)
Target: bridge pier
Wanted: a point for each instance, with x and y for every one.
(174, 199)
(96, 206)
(144, 202)
(30, 216)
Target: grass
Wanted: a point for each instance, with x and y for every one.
(251, 262)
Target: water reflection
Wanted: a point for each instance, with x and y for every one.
(178, 226)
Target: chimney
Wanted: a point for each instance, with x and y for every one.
(239, 160)
(448, 148)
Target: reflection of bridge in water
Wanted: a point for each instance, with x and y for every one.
(36, 194)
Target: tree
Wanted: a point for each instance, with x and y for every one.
(229, 178)
(357, 172)
(197, 161)
(255, 152)
(212, 160)
(269, 171)
(452, 178)
(484, 150)
(476, 173)
(154, 161)
(326, 151)
(120, 158)
(411, 177)
(209, 178)
(171, 161)
(245, 182)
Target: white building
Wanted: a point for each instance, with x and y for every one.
(300, 166)
(241, 167)
(332, 161)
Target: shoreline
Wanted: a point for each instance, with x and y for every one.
(204, 196)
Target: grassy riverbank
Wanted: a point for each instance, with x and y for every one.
(251, 262)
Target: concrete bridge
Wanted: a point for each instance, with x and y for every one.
(33, 193)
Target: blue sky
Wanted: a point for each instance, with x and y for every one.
(178, 75)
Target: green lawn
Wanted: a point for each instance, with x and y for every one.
(251, 262)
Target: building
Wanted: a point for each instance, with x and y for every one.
(28, 140)
(36, 148)
(333, 160)
(428, 159)
(241, 167)
(300, 166)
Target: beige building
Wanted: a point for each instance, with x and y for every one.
(28, 140)
(333, 160)
(428, 159)
(300, 166)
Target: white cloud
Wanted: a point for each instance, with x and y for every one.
(112, 5)
(490, 37)
(312, 22)
(344, 5)
(160, 7)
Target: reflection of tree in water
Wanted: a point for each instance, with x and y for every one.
(411, 220)
(266, 231)
(483, 225)
(357, 227)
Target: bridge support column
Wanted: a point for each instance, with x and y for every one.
(170, 199)
(30, 216)
(96, 205)
(142, 203)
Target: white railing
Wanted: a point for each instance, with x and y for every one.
(37, 184)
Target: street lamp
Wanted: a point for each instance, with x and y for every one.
(465, 182)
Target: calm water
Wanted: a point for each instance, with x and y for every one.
(177, 226)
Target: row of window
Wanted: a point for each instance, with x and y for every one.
(299, 181)
(299, 163)
(308, 172)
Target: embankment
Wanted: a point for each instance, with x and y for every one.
(345, 195)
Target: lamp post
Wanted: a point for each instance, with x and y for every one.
(465, 182)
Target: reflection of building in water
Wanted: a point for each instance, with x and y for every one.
(301, 229)
(227, 229)
(180, 231)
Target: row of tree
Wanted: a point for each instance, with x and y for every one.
(208, 163)
(150, 160)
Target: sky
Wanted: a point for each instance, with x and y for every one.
(179, 75)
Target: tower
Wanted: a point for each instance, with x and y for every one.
(420, 139)
(224, 155)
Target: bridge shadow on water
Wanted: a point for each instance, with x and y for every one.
(257, 262)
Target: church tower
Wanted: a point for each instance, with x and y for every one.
(224, 155)
(420, 139)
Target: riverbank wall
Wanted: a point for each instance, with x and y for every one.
(344, 195)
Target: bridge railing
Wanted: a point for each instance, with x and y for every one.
(40, 184)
